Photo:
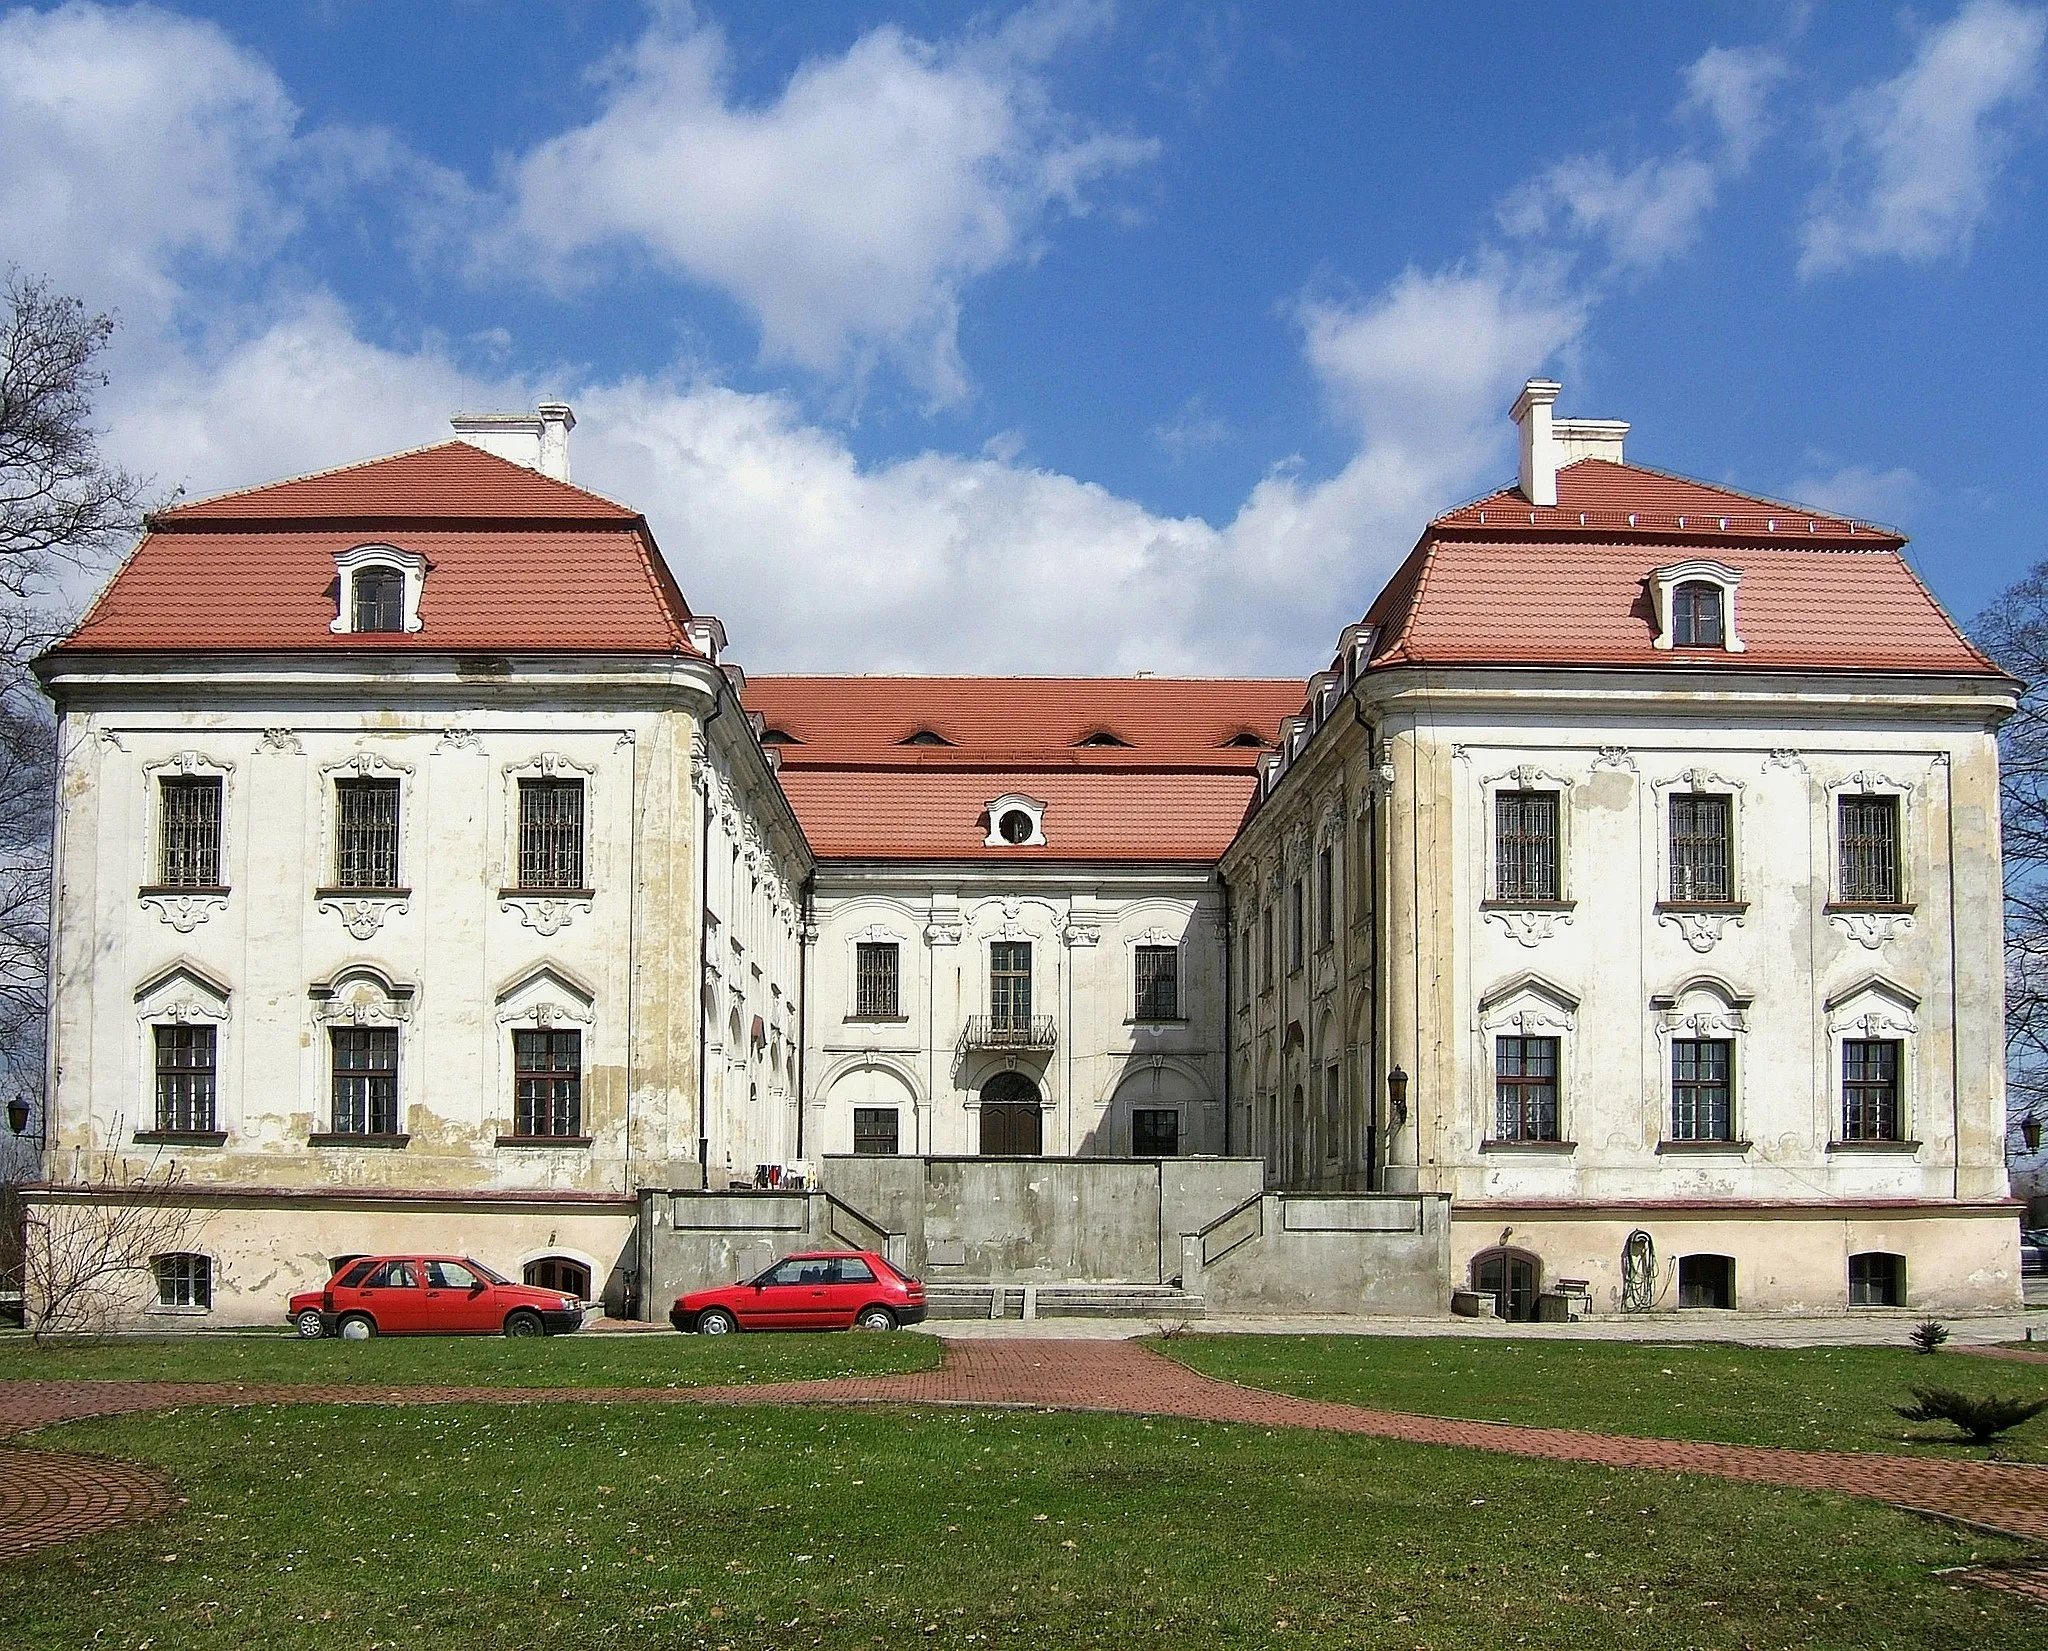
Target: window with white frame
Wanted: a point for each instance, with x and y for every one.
(1702, 1089)
(548, 1084)
(185, 1068)
(1702, 848)
(366, 834)
(1157, 982)
(551, 834)
(378, 590)
(875, 979)
(184, 1281)
(1868, 850)
(1871, 1098)
(188, 831)
(365, 1074)
(1525, 1089)
(1525, 844)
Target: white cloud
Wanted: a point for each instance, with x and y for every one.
(1916, 157)
(1652, 211)
(1886, 496)
(848, 213)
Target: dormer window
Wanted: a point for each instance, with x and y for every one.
(1695, 606)
(1696, 619)
(779, 736)
(1016, 822)
(924, 736)
(1102, 736)
(378, 590)
(1246, 741)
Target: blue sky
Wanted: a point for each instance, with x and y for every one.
(1069, 336)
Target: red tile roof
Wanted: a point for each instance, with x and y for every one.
(1818, 592)
(1176, 791)
(517, 562)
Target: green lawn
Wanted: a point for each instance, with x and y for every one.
(554, 1361)
(1826, 1398)
(548, 1526)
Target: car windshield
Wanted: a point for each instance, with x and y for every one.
(482, 1271)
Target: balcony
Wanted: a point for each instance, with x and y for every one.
(1023, 1032)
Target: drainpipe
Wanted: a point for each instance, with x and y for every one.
(1229, 1009)
(1374, 1083)
(703, 906)
(1955, 1044)
(806, 930)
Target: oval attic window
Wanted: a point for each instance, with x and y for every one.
(1015, 826)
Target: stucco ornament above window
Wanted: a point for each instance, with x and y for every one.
(378, 589)
(1695, 604)
(1016, 821)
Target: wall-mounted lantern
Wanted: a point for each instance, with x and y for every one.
(2030, 1132)
(1397, 1098)
(17, 1114)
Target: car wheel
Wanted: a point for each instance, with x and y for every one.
(716, 1321)
(525, 1324)
(357, 1327)
(310, 1325)
(875, 1318)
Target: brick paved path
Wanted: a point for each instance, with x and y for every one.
(1125, 1377)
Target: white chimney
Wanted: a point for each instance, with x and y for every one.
(1573, 439)
(1539, 450)
(538, 440)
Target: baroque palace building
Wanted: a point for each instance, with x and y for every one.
(426, 877)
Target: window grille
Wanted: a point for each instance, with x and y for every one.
(1870, 850)
(1870, 1089)
(380, 600)
(191, 833)
(1326, 898)
(1525, 845)
(874, 986)
(183, 1280)
(875, 1131)
(1155, 1132)
(1009, 985)
(1696, 617)
(366, 834)
(1700, 859)
(549, 1075)
(1158, 982)
(551, 834)
(1525, 1089)
(365, 1080)
(184, 1079)
(1702, 1094)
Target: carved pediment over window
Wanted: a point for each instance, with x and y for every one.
(546, 996)
(365, 765)
(1698, 779)
(1874, 1008)
(1528, 1005)
(182, 993)
(1704, 1007)
(362, 995)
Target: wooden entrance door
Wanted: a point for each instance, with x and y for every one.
(1012, 1124)
(1511, 1276)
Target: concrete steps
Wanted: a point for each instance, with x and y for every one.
(1049, 1301)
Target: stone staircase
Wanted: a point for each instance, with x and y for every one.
(1164, 1302)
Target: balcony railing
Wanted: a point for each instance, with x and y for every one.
(1008, 1032)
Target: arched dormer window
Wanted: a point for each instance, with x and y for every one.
(1696, 615)
(924, 736)
(1101, 736)
(378, 590)
(1016, 821)
(1245, 740)
(1695, 606)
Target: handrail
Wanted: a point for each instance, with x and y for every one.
(1257, 1228)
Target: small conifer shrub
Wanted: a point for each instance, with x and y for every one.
(1929, 1334)
(1981, 1418)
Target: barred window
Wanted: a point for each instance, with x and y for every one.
(1870, 850)
(365, 1080)
(366, 834)
(1870, 1089)
(551, 834)
(1700, 858)
(380, 600)
(549, 1074)
(1158, 982)
(190, 836)
(1326, 898)
(1702, 1093)
(1696, 616)
(1525, 845)
(1155, 1132)
(874, 987)
(184, 1079)
(183, 1280)
(1525, 1089)
(875, 1131)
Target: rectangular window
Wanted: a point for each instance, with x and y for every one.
(1870, 1089)
(366, 834)
(1525, 845)
(1525, 1089)
(1326, 898)
(1877, 1279)
(874, 985)
(1702, 1095)
(183, 1280)
(548, 1070)
(1155, 1132)
(1158, 982)
(1009, 985)
(1266, 948)
(874, 1131)
(365, 1080)
(184, 1079)
(189, 856)
(1870, 850)
(1701, 864)
(1294, 925)
(1333, 1112)
(551, 834)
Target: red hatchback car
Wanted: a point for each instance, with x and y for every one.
(429, 1295)
(825, 1290)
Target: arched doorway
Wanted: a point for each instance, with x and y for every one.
(1511, 1276)
(1012, 1124)
(558, 1272)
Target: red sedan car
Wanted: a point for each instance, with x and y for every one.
(429, 1295)
(825, 1290)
